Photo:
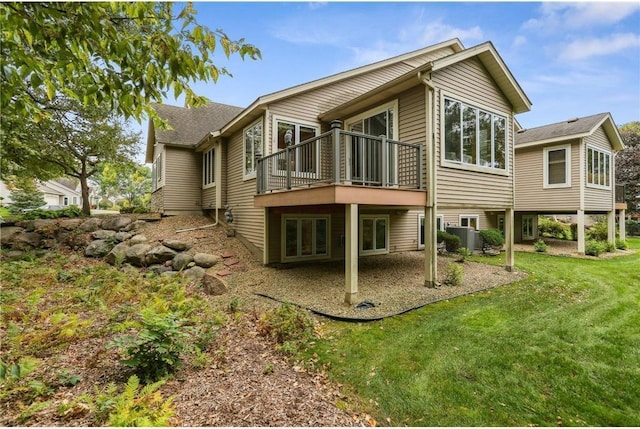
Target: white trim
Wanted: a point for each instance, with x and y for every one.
(586, 179)
(296, 139)
(374, 111)
(212, 165)
(469, 216)
(567, 166)
(386, 238)
(283, 237)
(479, 107)
(252, 174)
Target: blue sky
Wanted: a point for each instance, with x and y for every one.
(571, 59)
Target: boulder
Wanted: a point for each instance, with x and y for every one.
(116, 223)
(26, 224)
(91, 224)
(26, 241)
(194, 274)
(206, 260)
(181, 261)
(134, 226)
(213, 285)
(159, 255)
(7, 233)
(122, 236)
(178, 245)
(70, 224)
(136, 254)
(118, 254)
(137, 239)
(45, 227)
(98, 248)
(159, 268)
(102, 234)
(76, 240)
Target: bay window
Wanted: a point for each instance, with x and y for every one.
(598, 168)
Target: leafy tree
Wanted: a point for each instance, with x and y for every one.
(131, 182)
(628, 163)
(25, 195)
(72, 141)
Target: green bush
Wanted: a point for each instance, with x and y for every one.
(551, 228)
(451, 241)
(71, 211)
(453, 274)
(574, 231)
(598, 231)
(632, 227)
(463, 254)
(491, 239)
(288, 325)
(621, 244)
(540, 246)
(155, 352)
(609, 246)
(138, 406)
(594, 247)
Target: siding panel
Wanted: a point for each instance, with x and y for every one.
(183, 176)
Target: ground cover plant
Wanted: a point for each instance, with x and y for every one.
(558, 348)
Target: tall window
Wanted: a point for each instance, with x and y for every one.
(439, 227)
(598, 167)
(252, 146)
(156, 173)
(305, 237)
(208, 168)
(303, 159)
(374, 234)
(472, 221)
(557, 166)
(473, 136)
(527, 227)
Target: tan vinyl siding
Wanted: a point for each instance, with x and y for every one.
(183, 180)
(469, 82)
(594, 198)
(451, 217)
(530, 192)
(209, 198)
(248, 220)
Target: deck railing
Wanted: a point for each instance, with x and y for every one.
(342, 157)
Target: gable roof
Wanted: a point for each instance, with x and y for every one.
(188, 124)
(487, 54)
(568, 130)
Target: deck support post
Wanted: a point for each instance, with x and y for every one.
(430, 247)
(351, 254)
(581, 243)
(611, 226)
(622, 224)
(509, 240)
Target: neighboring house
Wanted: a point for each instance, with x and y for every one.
(364, 162)
(568, 168)
(59, 192)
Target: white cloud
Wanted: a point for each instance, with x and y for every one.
(609, 45)
(560, 16)
(519, 41)
(317, 4)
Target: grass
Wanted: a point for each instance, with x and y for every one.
(559, 348)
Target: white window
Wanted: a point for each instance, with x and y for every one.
(304, 159)
(252, 146)
(209, 168)
(374, 234)
(557, 166)
(439, 226)
(75, 201)
(598, 168)
(473, 136)
(527, 227)
(65, 201)
(305, 237)
(472, 221)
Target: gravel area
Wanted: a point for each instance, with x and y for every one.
(393, 282)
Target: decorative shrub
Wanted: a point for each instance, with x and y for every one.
(71, 211)
(632, 227)
(598, 231)
(594, 247)
(551, 228)
(609, 246)
(491, 239)
(453, 274)
(621, 244)
(540, 246)
(574, 231)
(288, 325)
(452, 241)
(463, 254)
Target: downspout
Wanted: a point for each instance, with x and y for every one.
(218, 167)
(431, 265)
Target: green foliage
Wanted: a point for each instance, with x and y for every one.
(609, 246)
(127, 180)
(70, 212)
(463, 254)
(453, 274)
(595, 247)
(628, 164)
(491, 239)
(550, 228)
(15, 371)
(621, 244)
(632, 227)
(451, 241)
(289, 326)
(598, 231)
(540, 246)
(24, 195)
(155, 352)
(139, 406)
(574, 231)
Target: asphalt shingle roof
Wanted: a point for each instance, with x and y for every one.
(559, 129)
(190, 125)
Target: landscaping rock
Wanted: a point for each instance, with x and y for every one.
(181, 261)
(194, 274)
(122, 236)
(178, 245)
(118, 253)
(70, 224)
(98, 248)
(206, 260)
(91, 224)
(159, 255)
(102, 234)
(7, 233)
(169, 274)
(116, 223)
(137, 239)
(26, 224)
(136, 254)
(159, 268)
(134, 226)
(26, 241)
(213, 285)
(47, 226)
(76, 240)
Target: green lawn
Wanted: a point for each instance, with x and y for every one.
(559, 348)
